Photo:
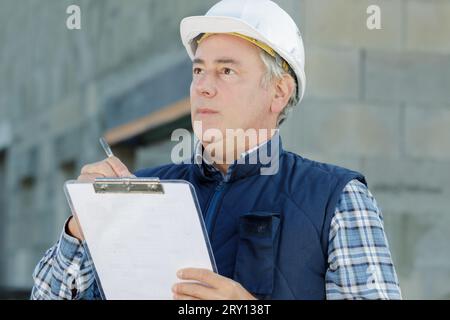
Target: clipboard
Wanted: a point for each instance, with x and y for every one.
(138, 233)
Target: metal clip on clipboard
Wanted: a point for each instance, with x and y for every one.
(128, 185)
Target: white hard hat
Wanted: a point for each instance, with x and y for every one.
(262, 20)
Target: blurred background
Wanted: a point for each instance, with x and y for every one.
(377, 101)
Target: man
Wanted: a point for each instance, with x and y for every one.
(301, 230)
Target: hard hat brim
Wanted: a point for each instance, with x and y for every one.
(191, 27)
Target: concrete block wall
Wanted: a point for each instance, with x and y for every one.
(376, 101)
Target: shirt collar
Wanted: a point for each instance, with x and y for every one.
(236, 169)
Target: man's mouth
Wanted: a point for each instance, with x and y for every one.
(205, 111)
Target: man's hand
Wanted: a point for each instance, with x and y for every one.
(111, 167)
(212, 286)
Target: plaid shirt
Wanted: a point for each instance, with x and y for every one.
(359, 260)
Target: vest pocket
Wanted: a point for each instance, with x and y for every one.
(255, 257)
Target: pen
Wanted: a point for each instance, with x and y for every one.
(106, 147)
(108, 151)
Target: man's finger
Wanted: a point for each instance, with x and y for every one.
(89, 177)
(194, 290)
(102, 167)
(119, 168)
(202, 275)
(183, 297)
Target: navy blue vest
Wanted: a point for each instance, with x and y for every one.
(268, 232)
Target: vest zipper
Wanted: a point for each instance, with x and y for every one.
(212, 208)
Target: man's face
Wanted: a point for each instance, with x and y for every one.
(226, 90)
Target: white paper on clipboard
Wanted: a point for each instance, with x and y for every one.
(139, 239)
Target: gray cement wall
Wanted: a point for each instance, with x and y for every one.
(376, 101)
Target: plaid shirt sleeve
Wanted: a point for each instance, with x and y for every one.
(65, 272)
(359, 261)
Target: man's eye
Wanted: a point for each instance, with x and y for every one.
(227, 71)
(197, 70)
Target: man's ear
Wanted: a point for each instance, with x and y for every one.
(284, 88)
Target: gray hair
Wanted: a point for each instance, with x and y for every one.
(276, 71)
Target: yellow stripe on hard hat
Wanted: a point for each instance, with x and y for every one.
(258, 43)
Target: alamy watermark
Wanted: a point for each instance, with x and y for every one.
(73, 21)
(231, 146)
(373, 21)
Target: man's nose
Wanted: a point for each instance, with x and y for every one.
(205, 86)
